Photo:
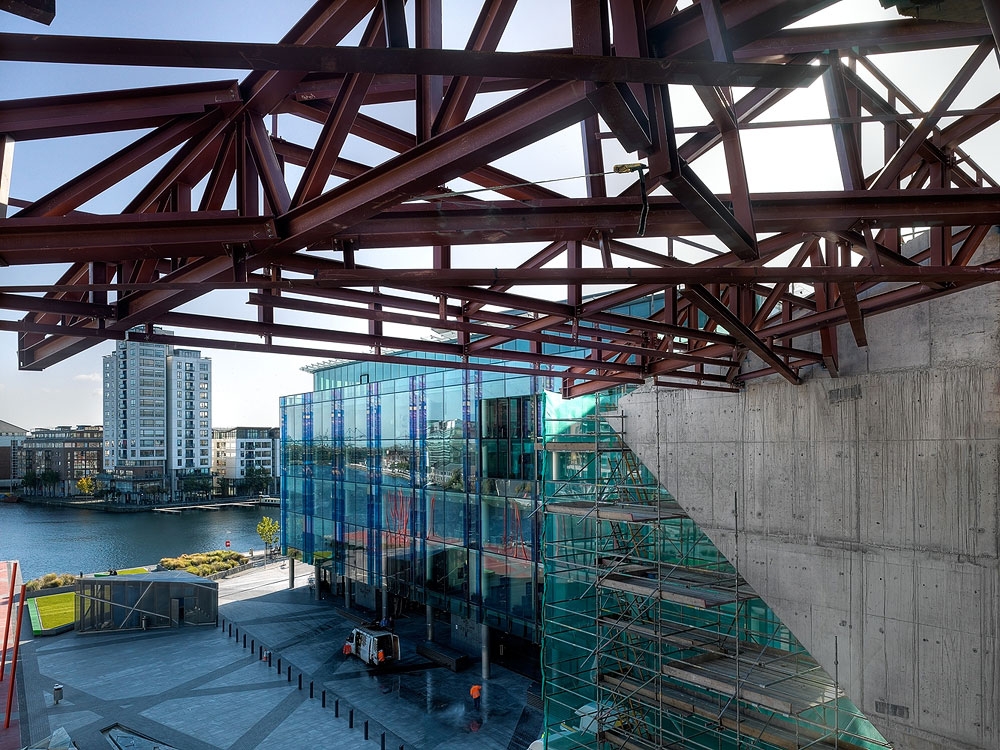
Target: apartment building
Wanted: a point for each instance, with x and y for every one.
(157, 416)
(51, 461)
(10, 436)
(243, 457)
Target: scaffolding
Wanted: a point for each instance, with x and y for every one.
(651, 637)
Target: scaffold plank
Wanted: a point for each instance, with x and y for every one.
(788, 689)
(685, 637)
(696, 677)
(689, 586)
(751, 722)
(663, 510)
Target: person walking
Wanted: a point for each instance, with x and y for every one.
(476, 691)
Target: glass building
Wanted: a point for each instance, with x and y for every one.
(418, 485)
(484, 499)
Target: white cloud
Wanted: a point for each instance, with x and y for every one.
(92, 376)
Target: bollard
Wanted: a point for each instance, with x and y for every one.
(244, 640)
(383, 741)
(336, 708)
(260, 652)
(230, 630)
(366, 730)
(237, 632)
(289, 672)
(324, 699)
(300, 680)
(268, 658)
(310, 689)
(350, 720)
(279, 665)
(252, 644)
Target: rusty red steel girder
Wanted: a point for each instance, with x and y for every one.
(714, 277)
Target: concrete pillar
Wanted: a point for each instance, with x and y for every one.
(385, 601)
(867, 508)
(291, 572)
(484, 634)
(429, 613)
(317, 578)
(347, 592)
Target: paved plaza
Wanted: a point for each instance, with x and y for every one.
(196, 688)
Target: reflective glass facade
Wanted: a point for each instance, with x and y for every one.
(424, 477)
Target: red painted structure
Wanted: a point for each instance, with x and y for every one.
(743, 273)
(10, 575)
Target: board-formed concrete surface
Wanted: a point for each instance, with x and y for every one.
(868, 511)
(200, 688)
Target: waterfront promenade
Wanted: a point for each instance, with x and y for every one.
(82, 502)
(196, 688)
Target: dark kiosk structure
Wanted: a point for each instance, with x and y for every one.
(164, 599)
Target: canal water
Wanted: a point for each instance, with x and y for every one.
(67, 540)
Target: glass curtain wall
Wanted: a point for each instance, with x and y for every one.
(425, 483)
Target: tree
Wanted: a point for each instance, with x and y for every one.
(30, 481)
(268, 530)
(256, 479)
(196, 484)
(50, 478)
(86, 485)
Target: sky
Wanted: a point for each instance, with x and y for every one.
(246, 387)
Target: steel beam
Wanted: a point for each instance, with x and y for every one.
(309, 256)
(740, 274)
(94, 181)
(567, 219)
(715, 309)
(42, 11)
(338, 124)
(541, 66)
(541, 110)
(6, 168)
(70, 308)
(462, 90)
(61, 239)
(109, 111)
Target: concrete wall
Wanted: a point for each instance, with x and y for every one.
(868, 513)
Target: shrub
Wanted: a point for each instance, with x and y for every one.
(50, 581)
(204, 563)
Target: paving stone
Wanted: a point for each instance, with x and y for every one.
(198, 688)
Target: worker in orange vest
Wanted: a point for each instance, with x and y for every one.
(476, 691)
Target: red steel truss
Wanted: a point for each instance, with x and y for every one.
(747, 283)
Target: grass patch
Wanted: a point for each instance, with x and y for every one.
(56, 610)
(124, 572)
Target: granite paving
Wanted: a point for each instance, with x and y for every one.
(200, 687)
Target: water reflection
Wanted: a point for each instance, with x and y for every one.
(66, 540)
